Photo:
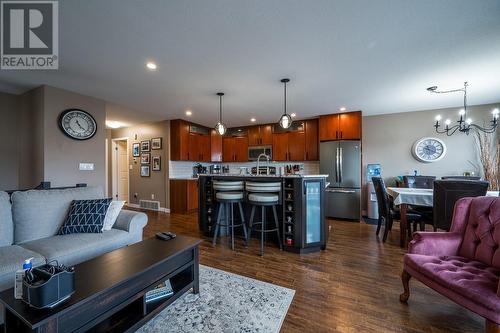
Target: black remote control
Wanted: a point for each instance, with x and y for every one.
(166, 235)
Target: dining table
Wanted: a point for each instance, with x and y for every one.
(404, 197)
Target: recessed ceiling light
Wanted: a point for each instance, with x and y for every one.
(293, 115)
(342, 108)
(151, 65)
(113, 124)
(253, 120)
(188, 113)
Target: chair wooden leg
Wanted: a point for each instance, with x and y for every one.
(387, 227)
(491, 327)
(379, 225)
(405, 278)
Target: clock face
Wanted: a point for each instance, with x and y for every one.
(77, 124)
(429, 150)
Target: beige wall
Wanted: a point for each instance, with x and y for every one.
(10, 106)
(62, 155)
(387, 139)
(33, 147)
(157, 183)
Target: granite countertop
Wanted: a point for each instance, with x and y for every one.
(263, 176)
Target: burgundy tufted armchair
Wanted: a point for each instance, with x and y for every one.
(463, 264)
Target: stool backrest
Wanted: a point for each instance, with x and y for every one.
(227, 186)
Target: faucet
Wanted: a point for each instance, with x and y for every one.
(267, 164)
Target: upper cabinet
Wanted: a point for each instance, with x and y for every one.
(299, 143)
(260, 135)
(342, 126)
(312, 142)
(216, 146)
(189, 142)
(235, 149)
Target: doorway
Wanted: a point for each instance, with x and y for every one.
(120, 169)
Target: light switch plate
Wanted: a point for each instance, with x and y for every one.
(86, 166)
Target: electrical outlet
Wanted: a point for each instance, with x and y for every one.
(152, 196)
(86, 166)
(131, 167)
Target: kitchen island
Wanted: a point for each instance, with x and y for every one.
(301, 213)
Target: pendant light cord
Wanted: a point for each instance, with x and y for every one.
(220, 108)
(285, 97)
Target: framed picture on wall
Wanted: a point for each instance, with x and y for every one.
(156, 143)
(135, 149)
(145, 171)
(156, 163)
(145, 158)
(146, 145)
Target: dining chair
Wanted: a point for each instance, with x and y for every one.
(387, 213)
(418, 181)
(446, 194)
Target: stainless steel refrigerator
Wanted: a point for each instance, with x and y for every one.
(341, 160)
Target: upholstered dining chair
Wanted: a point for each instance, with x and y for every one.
(386, 212)
(464, 263)
(418, 181)
(446, 194)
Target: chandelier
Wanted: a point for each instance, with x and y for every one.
(464, 124)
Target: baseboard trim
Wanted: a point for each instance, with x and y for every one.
(162, 209)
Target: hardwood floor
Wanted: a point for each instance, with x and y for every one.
(353, 286)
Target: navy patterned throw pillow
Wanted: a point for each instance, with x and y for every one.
(85, 216)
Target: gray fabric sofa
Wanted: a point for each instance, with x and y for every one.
(30, 220)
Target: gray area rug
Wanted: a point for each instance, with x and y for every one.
(227, 303)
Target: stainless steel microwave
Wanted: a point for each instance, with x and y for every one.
(255, 151)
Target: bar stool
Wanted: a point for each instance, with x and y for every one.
(263, 194)
(227, 194)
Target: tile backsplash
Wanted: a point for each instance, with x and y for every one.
(180, 169)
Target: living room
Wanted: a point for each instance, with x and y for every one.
(266, 166)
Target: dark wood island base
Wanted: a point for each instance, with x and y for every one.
(303, 227)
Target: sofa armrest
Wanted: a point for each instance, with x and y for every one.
(131, 221)
(435, 243)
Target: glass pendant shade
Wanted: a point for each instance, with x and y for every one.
(220, 128)
(285, 121)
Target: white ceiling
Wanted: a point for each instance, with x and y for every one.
(376, 56)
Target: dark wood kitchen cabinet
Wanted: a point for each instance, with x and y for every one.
(261, 135)
(342, 126)
(215, 146)
(183, 196)
(235, 149)
(289, 146)
(189, 142)
(312, 141)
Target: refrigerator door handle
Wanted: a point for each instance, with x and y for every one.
(337, 165)
(331, 190)
(340, 165)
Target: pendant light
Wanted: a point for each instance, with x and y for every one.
(285, 120)
(220, 127)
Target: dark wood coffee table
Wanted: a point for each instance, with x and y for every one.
(110, 289)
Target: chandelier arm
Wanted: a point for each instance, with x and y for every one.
(452, 130)
(484, 129)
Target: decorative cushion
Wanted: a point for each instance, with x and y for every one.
(229, 195)
(114, 209)
(469, 278)
(85, 216)
(6, 224)
(40, 213)
(263, 197)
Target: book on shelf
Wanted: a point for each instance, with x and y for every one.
(162, 290)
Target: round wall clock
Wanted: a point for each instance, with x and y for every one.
(428, 150)
(77, 124)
